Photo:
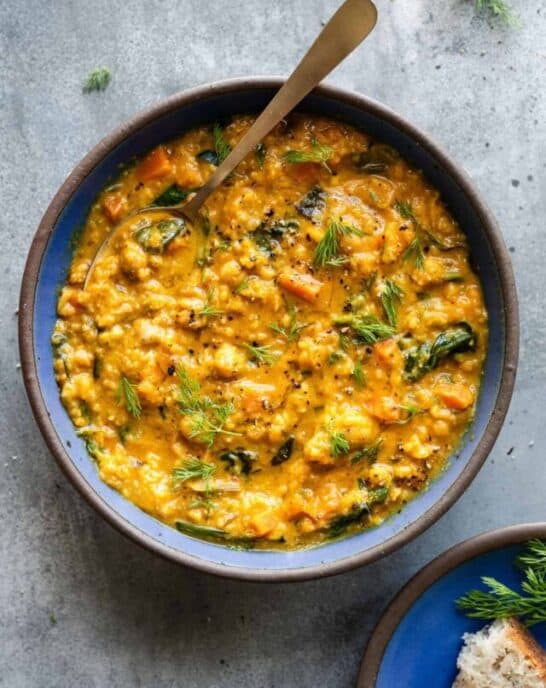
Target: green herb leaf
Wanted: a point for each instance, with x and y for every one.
(423, 358)
(130, 395)
(326, 252)
(294, 329)
(339, 524)
(268, 235)
(339, 444)
(209, 310)
(173, 195)
(391, 294)
(154, 238)
(500, 9)
(284, 452)
(208, 417)
(367, 328)
(370, 453)
(262, 354)
(193, 469)
(242, 285)
(359, 375)
(312, 204)
(319, 153)
(97, 80)
(377, 496)
(534, 556)
(239, 461)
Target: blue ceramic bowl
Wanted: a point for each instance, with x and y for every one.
(418, 639)
(50, 256)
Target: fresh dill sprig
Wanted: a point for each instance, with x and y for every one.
(97, 80)
(130, 397)
(411, 411)
(534, 556)
(208, 417)
(391, 294)
(242, 285)
(370, 453)
(367, 328)
(193, 469)
(294, 329)
(339, 444)
(221, 146)
(327, 250)
(319, 153)
(359, 375)
(501, 602)
(209, 310)
(500, 9)
(415, 250)
(262, 354)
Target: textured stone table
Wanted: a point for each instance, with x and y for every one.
(82, 606)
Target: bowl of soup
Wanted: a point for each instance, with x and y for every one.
(302, 380)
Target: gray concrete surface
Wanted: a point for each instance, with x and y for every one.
(80, 605)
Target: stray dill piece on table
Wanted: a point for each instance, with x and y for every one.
(97, 80)
(128, 392)
(500, 9)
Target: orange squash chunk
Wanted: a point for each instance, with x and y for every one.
(155, 165)
(454, 396)
(301, 285)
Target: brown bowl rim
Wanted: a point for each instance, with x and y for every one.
(54, 443)
(468, 549)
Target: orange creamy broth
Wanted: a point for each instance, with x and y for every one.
(296, 367)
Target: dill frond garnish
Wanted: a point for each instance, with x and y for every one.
(501, 602)
(367, 328)
(262, 354)
(319, 153)
(339, 444)
(391, 294)
(193, 469)
(294, 329)
(327, 250)
(221, 146)
(242, 285)
(208, 417)
(97, 80)
(209, 310)
(500, 9)
(130, 396)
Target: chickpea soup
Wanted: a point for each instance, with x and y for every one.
(295, 367)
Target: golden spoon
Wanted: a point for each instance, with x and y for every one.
(348, 27)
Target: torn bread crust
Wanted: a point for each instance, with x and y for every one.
(502, 655)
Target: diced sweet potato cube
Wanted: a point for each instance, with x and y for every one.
(388, 353)
(455, 396)
(301, 285)
(385, 409)
(263, 523)
(155, 165)
(113, 206)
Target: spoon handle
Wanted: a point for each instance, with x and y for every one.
(348, 27)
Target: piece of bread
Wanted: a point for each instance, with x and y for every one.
(501, 655)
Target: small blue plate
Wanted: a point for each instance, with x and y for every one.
(418, 639)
